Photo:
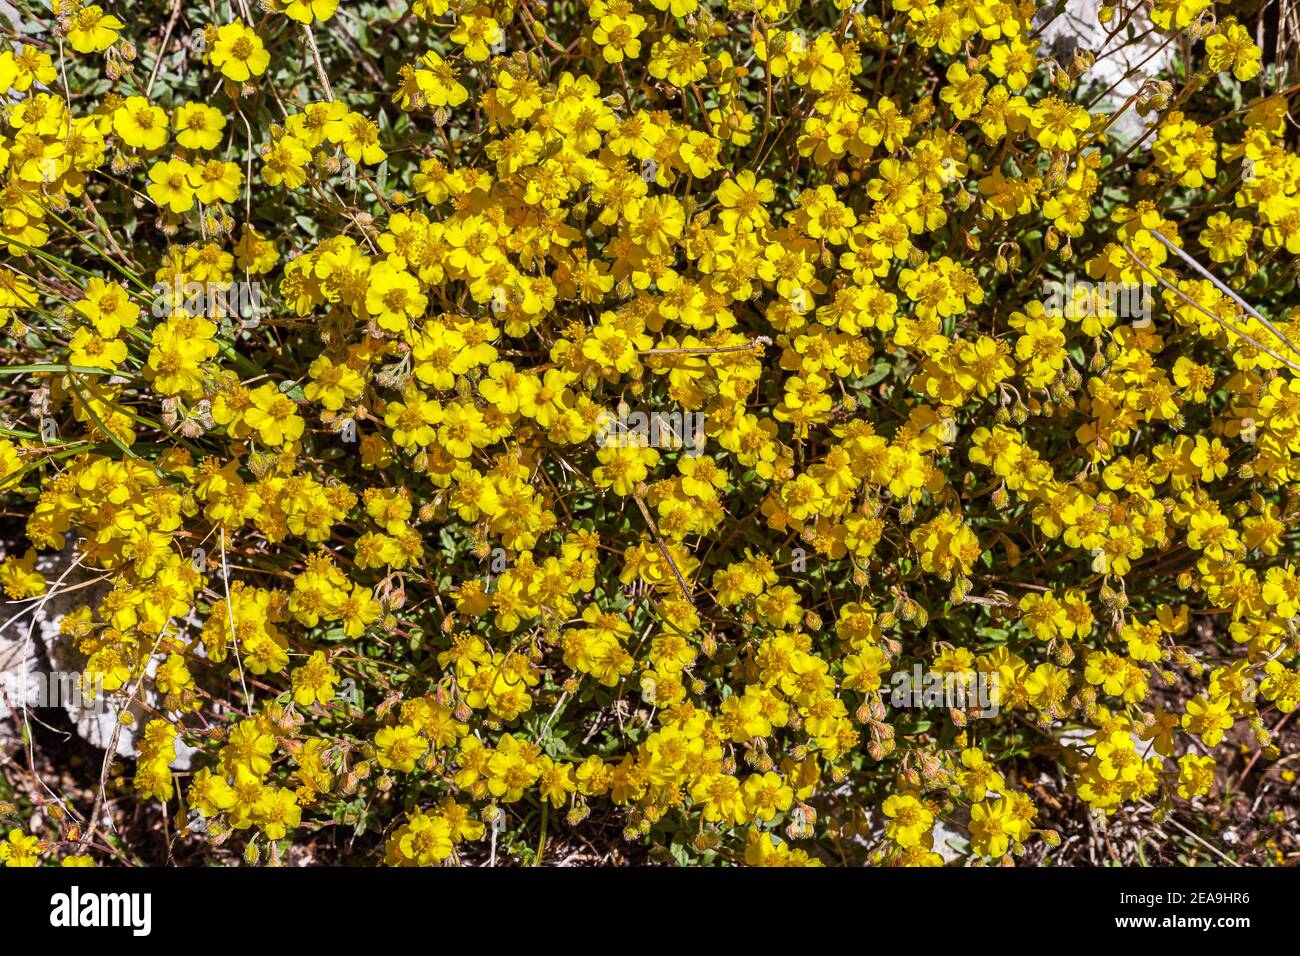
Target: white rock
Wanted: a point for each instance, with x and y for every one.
(1077, 27)
(32, 646)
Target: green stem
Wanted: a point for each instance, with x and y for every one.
(541, 841)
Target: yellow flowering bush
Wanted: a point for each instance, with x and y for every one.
(507, 431)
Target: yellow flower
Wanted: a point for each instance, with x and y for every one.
(140, 125)
(476, 34)
(170, 186)
(909, 819)
(1232, 48)
(285, 162)
(399, 747)
(18, 576)
(198, 126)
(92, 30)
(1226, 238)
(276, 812)
(314, 681)
(238, 52)
(393, 297)
(1056, 123)
(308, 11)
(1195, 775)
(20, 850)
(618, 36)
(273, 415)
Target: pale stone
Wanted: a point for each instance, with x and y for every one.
(33, 645)
(1077, 28)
